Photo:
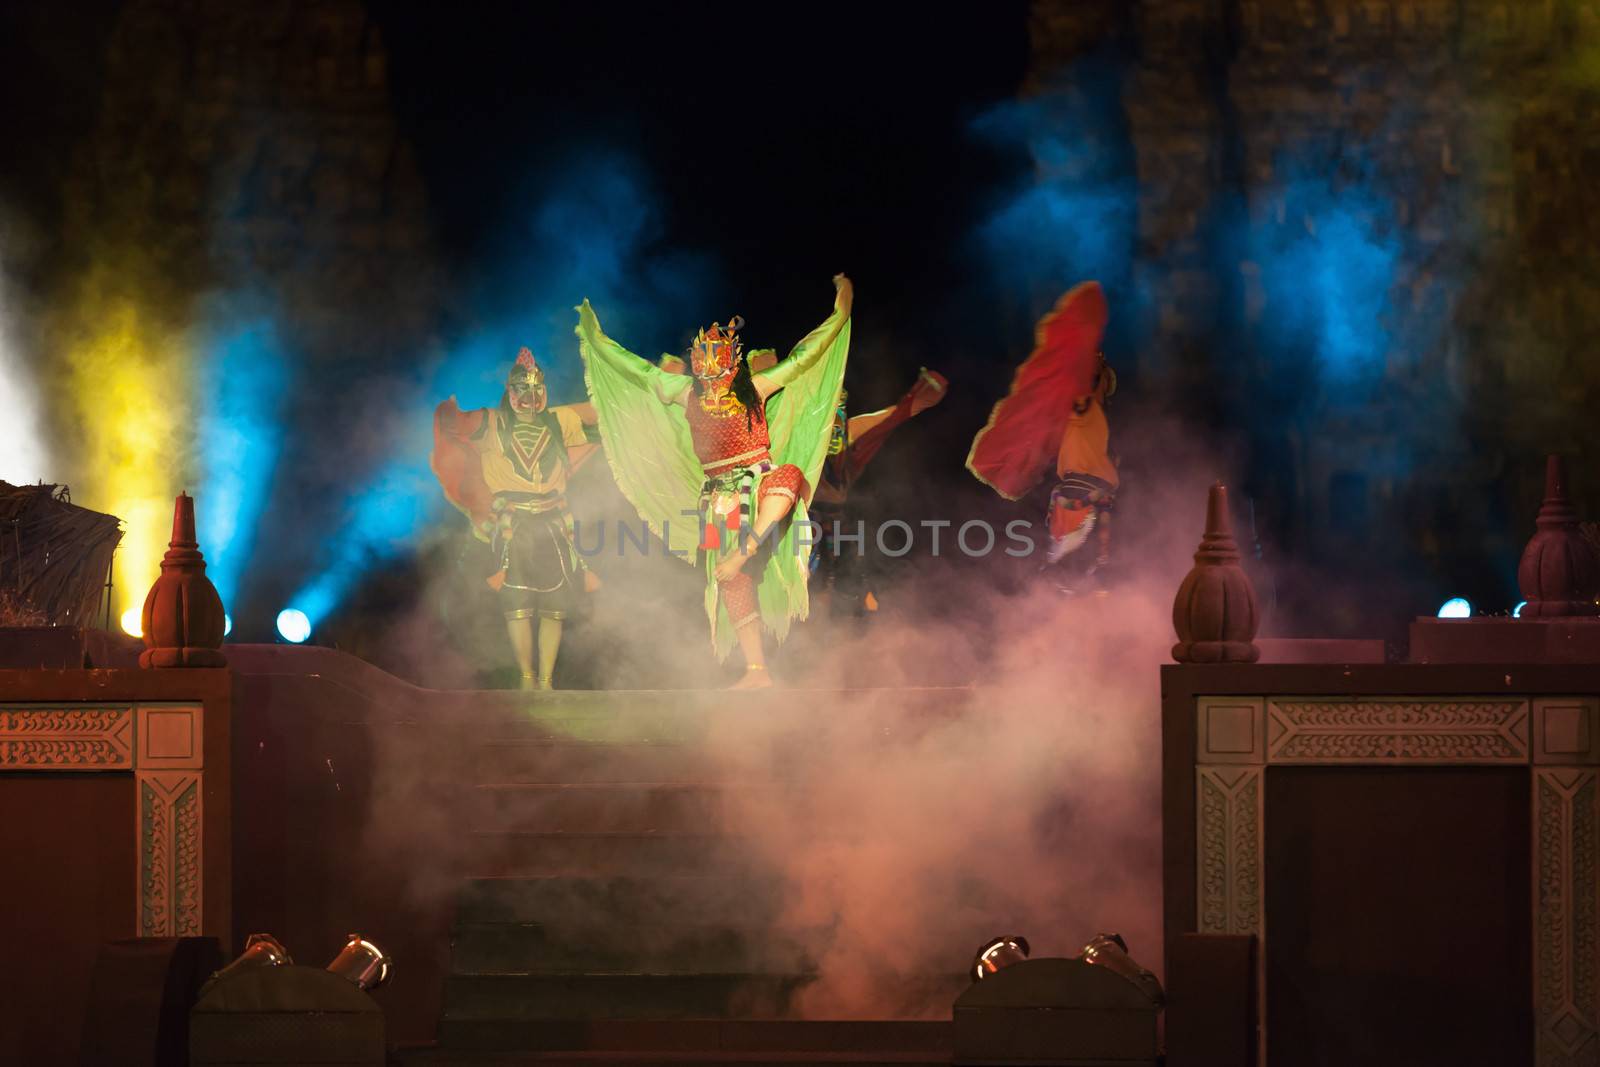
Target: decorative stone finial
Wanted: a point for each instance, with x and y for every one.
(182, 619)
(1560, 572)
(1215, 610)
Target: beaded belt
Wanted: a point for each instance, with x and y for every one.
(727, 495)
(534, 504)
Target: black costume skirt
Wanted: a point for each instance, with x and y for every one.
(543, 576)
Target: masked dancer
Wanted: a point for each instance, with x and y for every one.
(506, 469)
(1056, 411)
(720, 463)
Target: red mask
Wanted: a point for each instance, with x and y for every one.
(715, 355)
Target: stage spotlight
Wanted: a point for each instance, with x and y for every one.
(260, 950)
(1516, 612)
(362, 963)
(1111, 952)
(133, 623)
(227, 624)
(1457, 607)
(293, 626)
(996, 953)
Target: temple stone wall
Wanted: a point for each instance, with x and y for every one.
(252, 147)
(1468, 129)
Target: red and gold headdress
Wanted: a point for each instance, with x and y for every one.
(717, 350)
(526, 368)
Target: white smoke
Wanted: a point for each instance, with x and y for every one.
(24, 454)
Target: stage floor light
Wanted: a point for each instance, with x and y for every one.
(1516, 612)
(362, 963)
(996, 953)
(260, 950)
(1457, 607)
(293, 626)
(227, 625)
(133, 623)
(1111, 952)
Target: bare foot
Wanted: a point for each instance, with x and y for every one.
(754, 678)
(731, 565)
(545, 683)
(528, 682)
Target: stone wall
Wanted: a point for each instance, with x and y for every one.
(1468, 130)
(252, 147)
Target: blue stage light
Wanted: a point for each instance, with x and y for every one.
(244, 378)
(1456, 607)
(227, 625)
(1516, 612)
(293, 626)
(382, 521)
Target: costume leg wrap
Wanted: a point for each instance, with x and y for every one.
(784, 481)
(739, 597)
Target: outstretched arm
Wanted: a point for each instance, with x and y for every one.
(593, 344)
(458, 439)
(811, 347)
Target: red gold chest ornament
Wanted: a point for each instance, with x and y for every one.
(719, 401)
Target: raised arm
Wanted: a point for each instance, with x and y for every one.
(812, 346)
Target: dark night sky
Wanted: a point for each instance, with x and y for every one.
(788, 143)
(784, 144)
(794, 144)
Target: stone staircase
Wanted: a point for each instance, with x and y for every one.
(609, 911)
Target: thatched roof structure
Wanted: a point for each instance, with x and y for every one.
(55, 557)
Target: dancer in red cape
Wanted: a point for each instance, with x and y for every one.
(1055, 411)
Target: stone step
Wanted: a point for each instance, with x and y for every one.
(546, 759)
(642, 854)
(618, 996)
(452, 1058)
(621, 902)
(533, 948)
(617, 716)
(443, 1057)
(705, 1037)
(615, 807)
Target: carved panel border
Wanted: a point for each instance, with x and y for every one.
(169, 853)
(1566, 834)
(162, 744)
(66, 737)
(1416, 730)
(1229, 812)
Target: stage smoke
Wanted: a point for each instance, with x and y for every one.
(24, 455)
(244, 376)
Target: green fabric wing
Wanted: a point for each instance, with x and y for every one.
(800, 415)
(646, 442)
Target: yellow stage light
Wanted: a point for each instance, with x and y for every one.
(130, 389)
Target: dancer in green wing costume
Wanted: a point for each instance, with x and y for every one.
(738, 450)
